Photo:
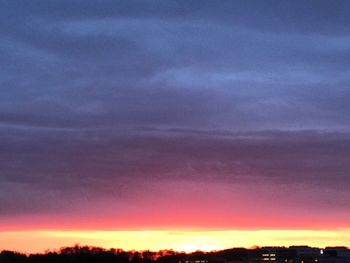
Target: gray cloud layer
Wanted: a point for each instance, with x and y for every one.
(60, 169)
(125, 91)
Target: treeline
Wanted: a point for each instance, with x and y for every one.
(87, 254)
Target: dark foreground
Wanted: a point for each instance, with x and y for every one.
(85, 254)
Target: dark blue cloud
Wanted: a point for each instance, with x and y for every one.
(229, 65)
(119, 87)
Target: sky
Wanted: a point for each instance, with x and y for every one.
(131, 118)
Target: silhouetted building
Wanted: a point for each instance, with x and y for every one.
(335, 255)
(203, 258)
(293, 254)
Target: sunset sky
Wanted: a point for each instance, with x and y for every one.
(174, 124)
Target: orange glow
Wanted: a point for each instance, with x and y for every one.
(39, 241)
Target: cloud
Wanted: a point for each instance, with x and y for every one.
(97, 101)
(112, 165)
(98, 67)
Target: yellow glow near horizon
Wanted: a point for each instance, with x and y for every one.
(39, 241)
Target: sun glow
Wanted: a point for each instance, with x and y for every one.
(39, 241)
